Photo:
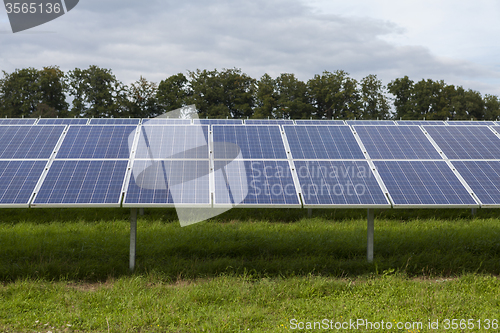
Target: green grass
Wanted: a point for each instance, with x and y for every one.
(247, 270)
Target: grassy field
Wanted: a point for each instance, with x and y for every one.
(249, 270)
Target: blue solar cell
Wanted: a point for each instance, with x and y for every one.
(62, 121)
(421, 122)
(166, 121)
(218, 122)
(114, 121)
(337, 183)
(17, 121)
(466, 142)
(254, 183)
(322, 142)
(483, 177)
(173, 141)
(18, 180)
(268, 122)
(97, 142)
(83, 182)
(423, 183)
(396, 142)
(24, 142)
(319, 122)
(472, 123)
(170, 182)
(371, 122)
(255, 142)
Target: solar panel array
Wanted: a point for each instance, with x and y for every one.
(56, 162)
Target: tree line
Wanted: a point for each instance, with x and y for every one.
(230, 93)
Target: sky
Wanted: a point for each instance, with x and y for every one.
(454, 41)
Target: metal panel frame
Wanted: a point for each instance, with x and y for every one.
(257, 205)
(161, 205)
(452, 169)
(476, 197)
(40, 119)
(133, 159)
(375, 175)
(77, 205)
(319, 122)
(91, 124)
(367, 122)
(27, 204)
(420, 122)
(287, 159)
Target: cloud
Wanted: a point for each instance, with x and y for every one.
(157, 39)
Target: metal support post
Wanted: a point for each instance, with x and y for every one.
(141, 211)
(309, 212)
(369, 251)
(133, 237)
(473, 212)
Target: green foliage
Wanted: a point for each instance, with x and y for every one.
(142, 99)
(230, 93)
(95, 92)
(30, 92)
(173, 93)
(266, 98)
(335, 96)
(225, 94)
(402, 89)
(375, 104)
(246, 270)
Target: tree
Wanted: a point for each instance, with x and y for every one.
(427, 100)
(375, 104)
(53, 93)
(225, 94)
(96, 92)
(173, 93)
(141, 99)
(402, 89)
(292, 98)
(266, 98)
(335, 95)
(30, 92)
(491, 107)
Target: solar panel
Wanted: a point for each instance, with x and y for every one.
(166, 121)
(83, 182)
(466, 142)
(423, 183)
(371, 122)
(218, 121)
(62, 121)
(254, 142)
(396, 142)
(256, 183)
(322, 142)
(169, 183)
(339, 183)
(484, 179)
(173, 141)
(114, 121)
(85, 142)
(268, 122)
(467, 123)
(28, 142)
(18, 180)
(319, 122)
(17, 121)
(421, 122)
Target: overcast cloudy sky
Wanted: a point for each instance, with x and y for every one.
(454, 41)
